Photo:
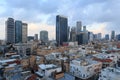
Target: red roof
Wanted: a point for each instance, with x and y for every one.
(32, 77)
(15, 61)
(118, 45)
(102, 60)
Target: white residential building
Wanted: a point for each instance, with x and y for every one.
(47, 70)
(110, 73)
(84, 69)
(108, 60)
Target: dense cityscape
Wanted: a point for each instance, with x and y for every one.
(59, 40)
(76, 54)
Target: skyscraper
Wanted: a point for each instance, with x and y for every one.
(95, 36)
(112, 35)
(44, 36)
(107, 37)
(61, 29)
(90, 36)
(68, 33)
(84, 28)
(36, 37)
(82, 38)
(73, 34)
(118, 37)
(24, 32)
(79, 26)
(10, 30)
(18, 31)
(30, 38)
(99, 36)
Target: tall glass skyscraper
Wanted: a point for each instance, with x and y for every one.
(36, 37)
(82, 38)
(107, 37)
(18, 31)
(79, 26)
(44, 36)
(61, 29)
(73, 34)
(113, 35)
(10, 30)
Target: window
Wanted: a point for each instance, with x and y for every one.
(83, 75)
(77, 69)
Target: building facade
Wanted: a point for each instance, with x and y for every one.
(84, 69)
(36, 37)
(47, 69)
(73, 34)
(90, 36)
(99, 36)
(24, 32)
(107, 37)
(82, 38)
(18, 31)
(61, 29)
(118, 37)
(44, 36)
(84, 28)
(30, 38)
(10, 30)
(79, 26)
(113, 35)
(110, 73)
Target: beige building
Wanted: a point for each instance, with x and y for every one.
(25, 63)
(24, 32)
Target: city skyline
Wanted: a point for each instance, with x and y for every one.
(41, 17)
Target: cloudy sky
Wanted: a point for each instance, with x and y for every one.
(98, 15)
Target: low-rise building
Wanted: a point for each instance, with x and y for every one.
(107, 59)
(53, 56)
(26, 48)
(39, 60)
(9, 54)
(48, 70)
(25, 63)
(110, 73)
(84, 69)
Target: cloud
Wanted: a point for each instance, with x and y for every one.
(94, 13)
(44, 6)
(29, 10)
(2, 28)
(36, 28)
(97, 28)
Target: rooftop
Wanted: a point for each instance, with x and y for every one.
(111, 73)
(8, 60)
(32, 77)
(84, 62)
(103, 60)
(47, 66)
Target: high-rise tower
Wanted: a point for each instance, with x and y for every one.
(10, 30)
(61, 29)
(18, 31)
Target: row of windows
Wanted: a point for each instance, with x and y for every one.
(75, 71)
